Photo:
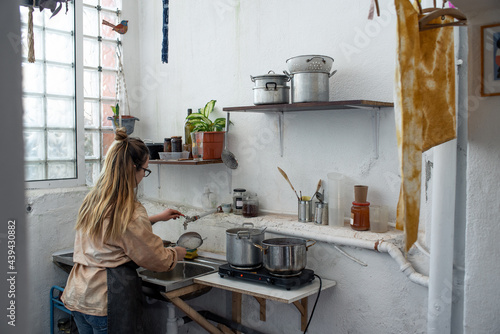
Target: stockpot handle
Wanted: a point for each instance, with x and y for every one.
(322, 59)
(245, 234)
(252, 78)
(331, 74)
(290, 76)
(272, 83)
(262, 248)
(307, 246)
(247, 224)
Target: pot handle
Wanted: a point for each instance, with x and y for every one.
(247, 224)
(272, 83)
(331, 74)
(322, 59)
(245, 234)
(261, 248)
(290, 76)
(252, 78)
(307, 246)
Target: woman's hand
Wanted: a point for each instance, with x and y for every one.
(165, 215)
(181, 252)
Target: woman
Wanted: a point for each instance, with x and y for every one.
(113, 238)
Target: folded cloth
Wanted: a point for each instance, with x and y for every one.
(424, 105)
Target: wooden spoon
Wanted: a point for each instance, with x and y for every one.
(288, 180)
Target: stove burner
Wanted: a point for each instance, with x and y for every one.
(286, 275)
(246, 268)
(262, 275)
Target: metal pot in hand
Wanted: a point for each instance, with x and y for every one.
(240, 249)
(285, 256)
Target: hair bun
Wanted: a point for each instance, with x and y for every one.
(121, 134)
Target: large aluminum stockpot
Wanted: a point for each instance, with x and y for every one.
(240, 249)
(285, 256)
(310, 86)
(309, 63)
(271, 94)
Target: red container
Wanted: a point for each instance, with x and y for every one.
(213, 144)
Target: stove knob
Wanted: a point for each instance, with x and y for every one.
(270, 280)
(230, 273)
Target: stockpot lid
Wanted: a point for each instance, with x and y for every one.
(271, 76)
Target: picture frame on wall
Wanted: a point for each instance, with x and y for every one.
(490, 60)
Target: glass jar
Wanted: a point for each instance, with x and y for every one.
(176, 144)
(238, 194)
(167, 145)
(250, 205)
(360, 216)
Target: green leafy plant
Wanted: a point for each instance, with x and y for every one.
(202, 123)
(116, 113)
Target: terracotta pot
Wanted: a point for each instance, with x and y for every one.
(213, 143)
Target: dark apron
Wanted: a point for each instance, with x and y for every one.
(125, 299)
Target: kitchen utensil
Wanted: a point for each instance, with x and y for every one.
(288, 180)
(309, 63)
(305, 211)
(190, 240)
(320, 196)
(271, 93)
(285, 256)
(227, 156)
(190, 219)
(270, 77)
(317, 188)
(310, 86)
(321, 213)
(240, 249)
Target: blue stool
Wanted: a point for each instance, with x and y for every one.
(55, 302)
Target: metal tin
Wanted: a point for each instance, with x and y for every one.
(305, 211)
(321, 214)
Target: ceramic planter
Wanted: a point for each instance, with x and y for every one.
(128, 122)
(207, 145)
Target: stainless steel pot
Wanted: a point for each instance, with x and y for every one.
(271, 93)
(310, 86)
(309, 63)
(271, 78)
(285, 256)
(240, 249)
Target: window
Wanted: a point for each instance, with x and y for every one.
(67, 98)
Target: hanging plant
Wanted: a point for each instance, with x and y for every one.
(53, 5)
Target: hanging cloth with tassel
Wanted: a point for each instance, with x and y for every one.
(424, 105)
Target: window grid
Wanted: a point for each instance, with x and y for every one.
(43, 161)
(98, 130)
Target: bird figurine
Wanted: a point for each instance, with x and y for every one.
(119, 28)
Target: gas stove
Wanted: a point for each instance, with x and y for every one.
(262, 275)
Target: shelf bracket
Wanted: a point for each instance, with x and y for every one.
(376, 130)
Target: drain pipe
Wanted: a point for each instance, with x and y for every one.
(442, 232)
(173, 323)
(380, 245)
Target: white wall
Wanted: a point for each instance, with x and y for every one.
(482, 301)
(214, 48)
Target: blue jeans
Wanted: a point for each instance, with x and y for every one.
(90, 324)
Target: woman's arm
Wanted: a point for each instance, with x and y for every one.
(165, 215)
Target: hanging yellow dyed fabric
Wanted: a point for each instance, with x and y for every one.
(424, 105)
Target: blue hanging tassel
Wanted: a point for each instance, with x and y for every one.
(164, 49)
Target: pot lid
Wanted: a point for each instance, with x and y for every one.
(270, 75)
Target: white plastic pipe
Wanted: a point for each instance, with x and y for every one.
(442, 235)
(379, 245)
(173, 323)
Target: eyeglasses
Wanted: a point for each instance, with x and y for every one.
(146, 171)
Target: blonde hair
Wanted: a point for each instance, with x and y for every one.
(113, 196)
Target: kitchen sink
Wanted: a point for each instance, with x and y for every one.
(182, 275)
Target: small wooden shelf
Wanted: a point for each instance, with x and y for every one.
(185, 162)
(310, 106)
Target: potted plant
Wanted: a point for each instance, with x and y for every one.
(208, 134)
(127, 121)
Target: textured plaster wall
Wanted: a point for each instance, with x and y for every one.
(482, 301)
(51, 217)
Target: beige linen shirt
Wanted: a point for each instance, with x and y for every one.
(86, 290)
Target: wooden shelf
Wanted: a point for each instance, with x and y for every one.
(310, 106)
(185, 162)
